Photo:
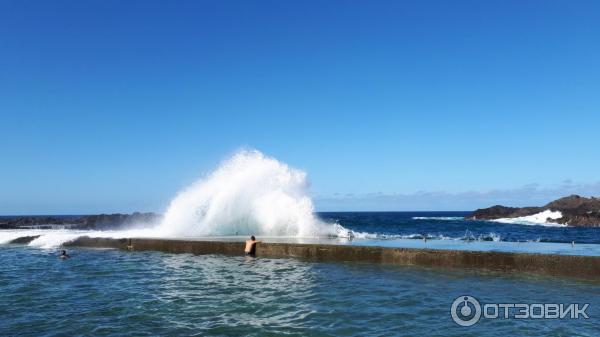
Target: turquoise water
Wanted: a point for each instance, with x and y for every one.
(116, 293)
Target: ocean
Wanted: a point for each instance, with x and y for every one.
(120, 293)
(104, 292)
(390, 226)
(117, 293)
(453, 226)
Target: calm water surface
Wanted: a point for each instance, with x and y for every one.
(115, 293)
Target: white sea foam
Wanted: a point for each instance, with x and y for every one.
(495, 237)
(442, 218)
(248, 194)
(468, 236)
(54, 239)
(50, 238)
(46, 238)
(535, 219)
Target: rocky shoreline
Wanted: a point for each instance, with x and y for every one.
(575, 210)
(92, 222)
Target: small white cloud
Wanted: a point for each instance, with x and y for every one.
(527, 195)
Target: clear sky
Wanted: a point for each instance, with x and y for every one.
(112, 106)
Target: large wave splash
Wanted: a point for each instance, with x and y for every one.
(249, 194)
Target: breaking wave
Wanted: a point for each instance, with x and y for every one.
(51, 238)
(539, 219)
(249, 194)
(468, 236)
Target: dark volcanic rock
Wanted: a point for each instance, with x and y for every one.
(24, 240)
(98, 222)
(576, 211)
(498, 211)
(113, 221)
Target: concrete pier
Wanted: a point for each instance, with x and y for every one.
(585, 267)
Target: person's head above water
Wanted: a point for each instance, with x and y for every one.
(64, 255)
(252, 238)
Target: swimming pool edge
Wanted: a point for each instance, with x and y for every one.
(572, 266)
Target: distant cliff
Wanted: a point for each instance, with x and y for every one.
(575, 210)
(97, 222)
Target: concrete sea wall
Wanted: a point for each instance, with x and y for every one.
(586, 267)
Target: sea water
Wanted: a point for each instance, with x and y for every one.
(435, 230)
(253, 194)
(118, 293)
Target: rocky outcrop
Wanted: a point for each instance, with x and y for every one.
(97, 222)
(498, 211)
(575, 210)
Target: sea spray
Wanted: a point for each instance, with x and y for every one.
(542, 219)
(249, 193)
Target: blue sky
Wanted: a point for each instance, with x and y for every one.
(110, 106)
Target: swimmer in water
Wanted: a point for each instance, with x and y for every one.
(250, 249)
(64, 255)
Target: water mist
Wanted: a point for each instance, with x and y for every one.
(248, 194)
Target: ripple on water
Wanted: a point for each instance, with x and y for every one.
(112, 292)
